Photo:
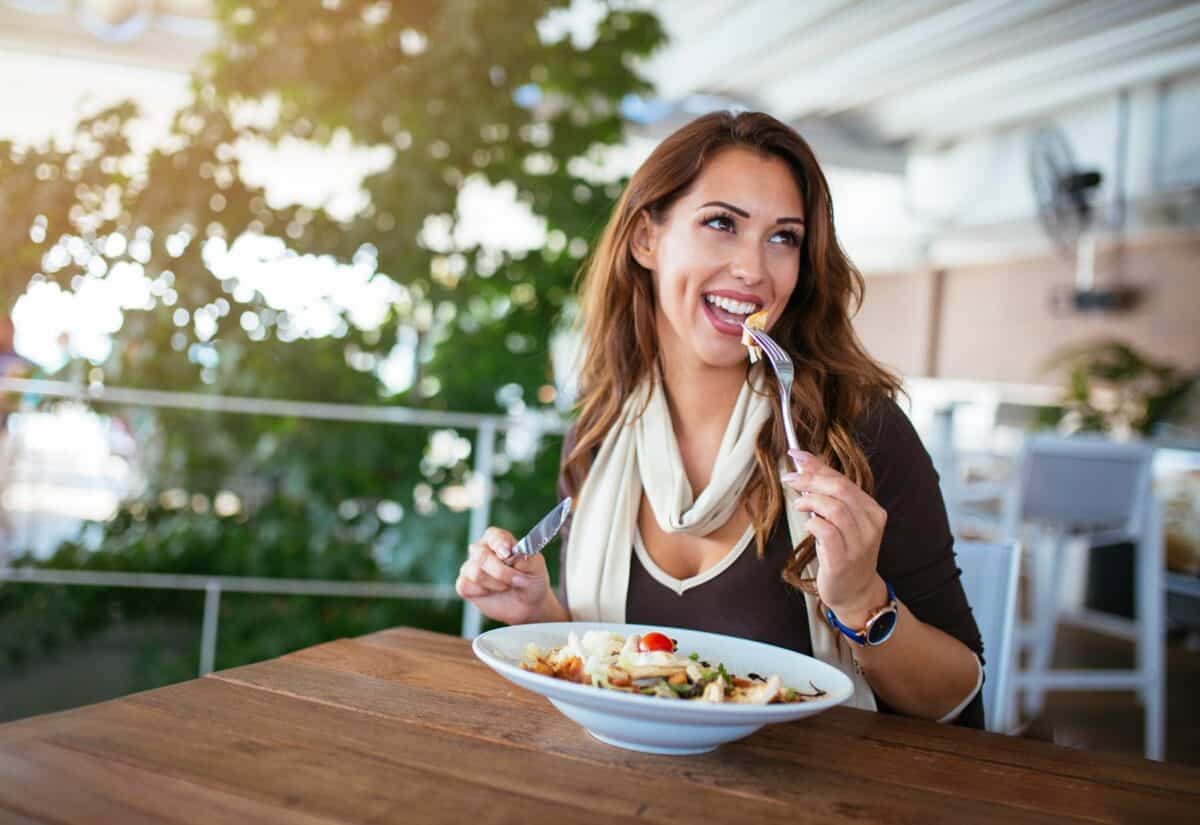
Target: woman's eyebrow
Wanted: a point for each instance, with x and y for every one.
(728, 206)
(746, 214)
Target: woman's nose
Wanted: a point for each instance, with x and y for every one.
(748, 269)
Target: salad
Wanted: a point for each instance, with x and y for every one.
(651, 665)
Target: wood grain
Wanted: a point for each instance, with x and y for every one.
(406, 725)
(11, 817)
(763, 761)
(1109, 768)
(105, 791)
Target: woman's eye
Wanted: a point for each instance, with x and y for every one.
(720, 222)
(789, 238)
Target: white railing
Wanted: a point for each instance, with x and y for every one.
(486, 427)
(213, 586)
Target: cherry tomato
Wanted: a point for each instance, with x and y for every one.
(655, 641)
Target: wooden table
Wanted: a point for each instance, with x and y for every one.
(407, 726)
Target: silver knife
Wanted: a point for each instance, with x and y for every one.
(542, 532)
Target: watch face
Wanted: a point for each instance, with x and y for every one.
(882, 627)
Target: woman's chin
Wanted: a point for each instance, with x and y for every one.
(722, 354)
(704, 348)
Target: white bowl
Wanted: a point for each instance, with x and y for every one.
(652, 724)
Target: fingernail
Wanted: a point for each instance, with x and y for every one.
(503, 552)
(788, 478)
(519, 580)
(800, 456)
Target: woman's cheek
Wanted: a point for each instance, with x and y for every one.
(673, 292)
(708, 239)
(785, 274)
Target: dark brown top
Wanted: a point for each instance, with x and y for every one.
(750, 600)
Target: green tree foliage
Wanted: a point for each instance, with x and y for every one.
(450, 92)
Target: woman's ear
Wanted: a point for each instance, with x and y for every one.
(642, 244)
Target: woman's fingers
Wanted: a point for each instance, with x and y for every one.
(827, 534)
(831, 544)
(484, 573)
(512, 590)
(847, 524)
(473, 573)
(531, 567)
(501, 572)
(488, 573)
(820, 478)
(469, 589)
(500, 541)
(834, 510)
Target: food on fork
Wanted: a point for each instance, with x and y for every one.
(756, 321)
(650, 666)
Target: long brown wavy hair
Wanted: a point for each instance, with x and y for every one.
(836, 381)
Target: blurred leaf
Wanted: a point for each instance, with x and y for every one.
(445, 88)
(1112, 386)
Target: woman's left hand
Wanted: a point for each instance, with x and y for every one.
(848, 526)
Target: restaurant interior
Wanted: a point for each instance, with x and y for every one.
(239, 427)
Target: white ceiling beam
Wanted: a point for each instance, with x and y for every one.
(937, 61)
(908, 115)
(805, 54)
(796, 96)
(1042, 100)
(684, 19)
(833, 147)
(702, 61)
(62, 36)
(832, 144)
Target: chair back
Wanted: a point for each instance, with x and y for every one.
(989, 578)
(1081, 484)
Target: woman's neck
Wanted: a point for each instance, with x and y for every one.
(701, 398)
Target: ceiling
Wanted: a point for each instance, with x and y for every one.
(168, 35)
(865, 79)
(884, 74)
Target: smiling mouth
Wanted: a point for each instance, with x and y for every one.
(728, 312)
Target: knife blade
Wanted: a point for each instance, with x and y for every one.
(542, 532)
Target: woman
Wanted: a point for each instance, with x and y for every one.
(852, 557)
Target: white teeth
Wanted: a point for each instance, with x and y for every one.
(730, 305)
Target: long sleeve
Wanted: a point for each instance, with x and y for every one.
(917, 552)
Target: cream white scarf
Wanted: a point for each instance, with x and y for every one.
(640, 454)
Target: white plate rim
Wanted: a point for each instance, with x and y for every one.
(836, 684)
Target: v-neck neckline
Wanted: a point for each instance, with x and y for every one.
(681, 586)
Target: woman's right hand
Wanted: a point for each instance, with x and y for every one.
(513, 595)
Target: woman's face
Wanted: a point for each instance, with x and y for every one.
(729, 247)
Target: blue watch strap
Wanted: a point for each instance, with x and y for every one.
(861, 638)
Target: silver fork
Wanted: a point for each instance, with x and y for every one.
(781, 362)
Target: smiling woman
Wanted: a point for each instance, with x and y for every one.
(718, 260)
(678, 462)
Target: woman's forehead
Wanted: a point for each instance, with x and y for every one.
(750, 180)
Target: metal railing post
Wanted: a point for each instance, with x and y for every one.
(208, 635)
(485, 446)
(486, 426)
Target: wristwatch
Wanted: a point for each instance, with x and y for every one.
(878, 628)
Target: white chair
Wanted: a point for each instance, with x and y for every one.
(990, 573)
(1091, 491)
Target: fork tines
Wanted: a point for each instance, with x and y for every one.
(773, 350)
